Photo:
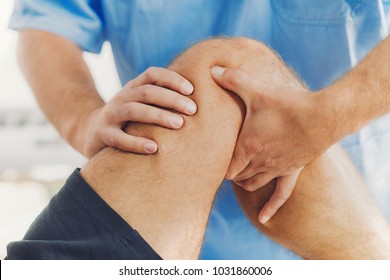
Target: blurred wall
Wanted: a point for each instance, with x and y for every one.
(34, 160)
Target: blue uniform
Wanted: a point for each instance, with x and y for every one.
(320, 40)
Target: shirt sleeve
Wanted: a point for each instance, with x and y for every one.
(77, 20)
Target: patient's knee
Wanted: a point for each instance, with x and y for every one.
(219, 115)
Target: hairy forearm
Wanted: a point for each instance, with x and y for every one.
(360, 96)
(62, 84)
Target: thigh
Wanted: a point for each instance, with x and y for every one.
(330, 215)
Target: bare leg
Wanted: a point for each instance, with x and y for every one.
(331, 214)
(167, 197)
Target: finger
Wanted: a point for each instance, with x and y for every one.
(254, 167)
(256, 182)
(284, 187)
(165, 78)
(240, 159)
(236, 81)
(139, 112)
(115, 137)
(162, 97)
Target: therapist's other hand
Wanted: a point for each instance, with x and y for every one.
(283, 131)
(144, 99)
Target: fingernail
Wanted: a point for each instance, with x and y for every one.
(217, 71)
(264, 219)
(187, 87)
(176, 121)
(229, 176)
(150, 147)
(190, 107)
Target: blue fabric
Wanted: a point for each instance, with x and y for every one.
(319, 39)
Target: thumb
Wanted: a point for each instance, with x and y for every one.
(236, 81)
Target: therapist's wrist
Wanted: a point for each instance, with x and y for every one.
(77, 129)
(317, 124)
(334, 113)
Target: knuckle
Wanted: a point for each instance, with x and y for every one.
(145, 92)
(160, 115)
(151, 72)
(269, 162)
(119, 98)
(253, 148)
(129, 111)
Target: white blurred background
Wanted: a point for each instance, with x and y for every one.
(34, 160)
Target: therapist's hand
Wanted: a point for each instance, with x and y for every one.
(144, 99)
(283, 131)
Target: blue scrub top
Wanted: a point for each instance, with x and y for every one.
(320, 40)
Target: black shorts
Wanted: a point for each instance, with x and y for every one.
(78, 224)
